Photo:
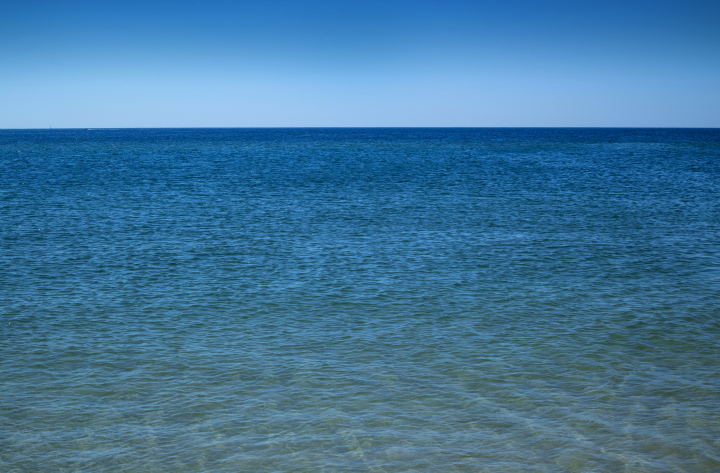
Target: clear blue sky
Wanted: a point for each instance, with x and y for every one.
(210, 63)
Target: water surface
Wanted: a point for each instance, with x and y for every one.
(384, 300)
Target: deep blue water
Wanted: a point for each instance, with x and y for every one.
(383, 300)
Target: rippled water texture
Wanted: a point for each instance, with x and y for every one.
(388, 300)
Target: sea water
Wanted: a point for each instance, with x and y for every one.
(381, 300)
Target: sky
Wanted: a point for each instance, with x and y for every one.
(317, 63)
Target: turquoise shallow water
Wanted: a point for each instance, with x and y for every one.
(383, 300)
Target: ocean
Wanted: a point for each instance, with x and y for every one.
(348, 300)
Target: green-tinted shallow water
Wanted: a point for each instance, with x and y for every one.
(387, 300)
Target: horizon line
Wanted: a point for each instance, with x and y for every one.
(360, 127)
